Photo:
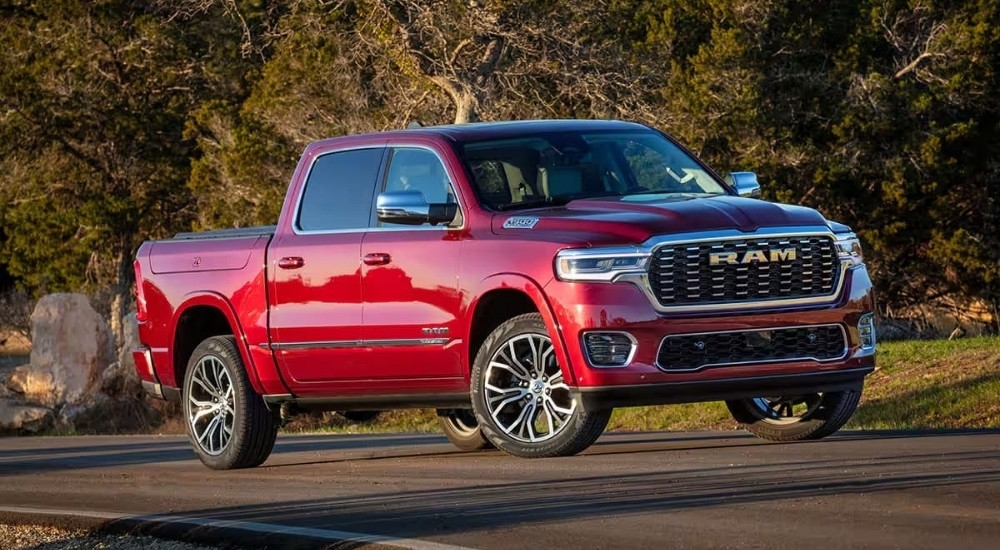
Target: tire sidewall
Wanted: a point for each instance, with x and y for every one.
(230, 359)
(834, 411)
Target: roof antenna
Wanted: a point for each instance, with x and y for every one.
(414, 124)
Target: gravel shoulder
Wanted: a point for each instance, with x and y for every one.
(39, 537)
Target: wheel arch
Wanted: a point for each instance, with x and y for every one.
(504, 296)
(201, 316)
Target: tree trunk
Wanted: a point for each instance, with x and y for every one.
(465, 107)
(122, 302)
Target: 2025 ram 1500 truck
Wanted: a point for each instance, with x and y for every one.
(522, 278)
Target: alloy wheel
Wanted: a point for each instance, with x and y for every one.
(211, 400)
(525, 393)
(786, 409)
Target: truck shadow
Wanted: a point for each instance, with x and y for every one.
(360, 448)
(489, 505)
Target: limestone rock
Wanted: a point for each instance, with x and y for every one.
(71, 345)
(17, 416)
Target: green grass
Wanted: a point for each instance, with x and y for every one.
(933, 384)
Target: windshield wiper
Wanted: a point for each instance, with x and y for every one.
(558, 200)
(546, 201)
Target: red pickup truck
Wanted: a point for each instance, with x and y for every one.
(521, 278)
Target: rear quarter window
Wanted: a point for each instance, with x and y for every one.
(340, 190)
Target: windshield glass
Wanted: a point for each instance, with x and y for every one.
(552, 169)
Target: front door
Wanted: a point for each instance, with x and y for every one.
(410, 280)
(316, 309)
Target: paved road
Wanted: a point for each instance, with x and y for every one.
(649, 490)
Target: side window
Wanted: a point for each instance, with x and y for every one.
(420, 170)
(339, 189)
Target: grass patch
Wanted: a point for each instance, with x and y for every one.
(931, 384)
(919, 384)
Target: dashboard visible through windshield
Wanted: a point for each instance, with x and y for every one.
(555, 168)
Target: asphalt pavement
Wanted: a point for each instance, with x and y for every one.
(646, 490)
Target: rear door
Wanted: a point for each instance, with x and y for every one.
(316, 309)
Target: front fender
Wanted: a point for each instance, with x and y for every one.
(530, 287)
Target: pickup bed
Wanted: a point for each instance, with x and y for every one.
(521, 278)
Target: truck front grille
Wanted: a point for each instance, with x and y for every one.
(741, 270)
(695, 351)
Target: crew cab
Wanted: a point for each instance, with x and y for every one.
(522, 278)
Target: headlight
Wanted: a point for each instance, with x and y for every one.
(599, 264)
(849, 249)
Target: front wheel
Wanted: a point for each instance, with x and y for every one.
(795, 417)
(522, 403)
(228, 423)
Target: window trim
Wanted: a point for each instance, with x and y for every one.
(296, 228)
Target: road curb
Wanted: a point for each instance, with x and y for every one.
(222, 532)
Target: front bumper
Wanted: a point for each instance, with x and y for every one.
(597, 398)
(622, 307)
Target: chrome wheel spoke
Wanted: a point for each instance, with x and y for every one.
(523, 376)
(198, 380)
(513, 362)
(202, 413)
(211, 405)
(561, 410)
(519, 391)
(785, 409)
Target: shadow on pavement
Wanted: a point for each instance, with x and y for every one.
(50, 456)
(421, 513)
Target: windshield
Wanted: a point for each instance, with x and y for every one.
(552, 169)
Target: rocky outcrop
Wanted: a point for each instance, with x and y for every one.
(70, 348)
(73, 381)
(18, 416)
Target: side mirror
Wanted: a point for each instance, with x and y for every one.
(409, 207)
(745, 183)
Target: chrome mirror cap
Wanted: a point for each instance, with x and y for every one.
(745, 183)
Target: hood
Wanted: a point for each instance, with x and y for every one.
(635, 218)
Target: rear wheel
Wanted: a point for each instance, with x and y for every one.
(228, 422)
(522, 403)
(795, 417)
(462, 429)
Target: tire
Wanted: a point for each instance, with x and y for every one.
(776, 418)
(462, 429)
(508, 387)
(360, 416)
(218, 397)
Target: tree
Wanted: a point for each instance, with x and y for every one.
(93, 101)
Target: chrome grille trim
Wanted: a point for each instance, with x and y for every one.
(681, 274)
(642, 281)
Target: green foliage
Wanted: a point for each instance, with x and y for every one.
(121, 121)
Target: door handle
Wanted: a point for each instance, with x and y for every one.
(377, 258)
(291, 262)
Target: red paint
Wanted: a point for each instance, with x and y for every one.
(323, 314)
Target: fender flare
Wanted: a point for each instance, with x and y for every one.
(221, 303)
(530, 287)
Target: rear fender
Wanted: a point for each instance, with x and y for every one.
(221, 303)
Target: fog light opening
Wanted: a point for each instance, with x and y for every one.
(866, 331)
(609, 349)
